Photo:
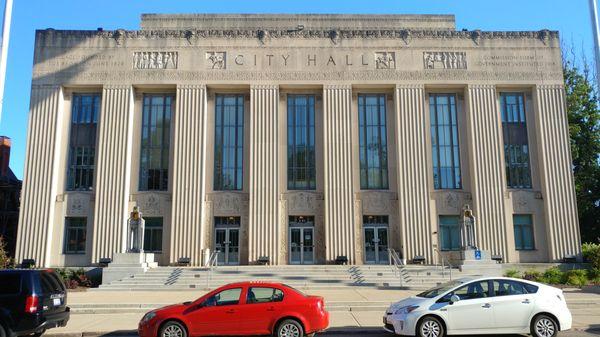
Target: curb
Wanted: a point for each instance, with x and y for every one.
(132, 333)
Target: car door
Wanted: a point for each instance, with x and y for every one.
(513, 305)
(261, 309)
(218, 315)
(472, 313)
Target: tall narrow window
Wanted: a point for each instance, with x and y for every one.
(444, 141)
(449, 232)
(516, 145)
(229, 142)
(82, 141)
(523, 232)
(301, 142)
(156, 133)
(153, 233)
(75, 235)
(373, 142)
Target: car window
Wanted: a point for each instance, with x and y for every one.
(225, 297)
(509, 287)
(11, 284)
(263, 295)
(49, 284)
(470, 291)
(437, 291)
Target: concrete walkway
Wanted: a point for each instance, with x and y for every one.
(585, 308)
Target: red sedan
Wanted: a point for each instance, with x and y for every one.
(242, 309)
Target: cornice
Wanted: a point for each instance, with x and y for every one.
(404, 34)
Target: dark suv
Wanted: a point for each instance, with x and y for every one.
(31, 301)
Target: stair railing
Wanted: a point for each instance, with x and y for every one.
(396, 264)
(212, 263)
(444, 263)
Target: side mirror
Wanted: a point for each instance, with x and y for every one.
(454, 299)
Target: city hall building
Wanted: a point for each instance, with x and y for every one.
(297, 138)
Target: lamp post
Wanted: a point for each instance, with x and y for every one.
(4, 47)
(596, 29)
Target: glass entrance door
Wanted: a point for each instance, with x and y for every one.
(376, 245)
(227, 245)
(302, 250)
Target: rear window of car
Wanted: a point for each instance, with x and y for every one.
(510, 287)
(11, 284)
(50, 283)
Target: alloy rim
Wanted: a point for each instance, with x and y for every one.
(545, 327)
(173, 331)
(430, 329)
(289, 330)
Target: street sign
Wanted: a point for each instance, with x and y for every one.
(478, 255)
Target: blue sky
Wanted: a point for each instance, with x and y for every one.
(570, 17)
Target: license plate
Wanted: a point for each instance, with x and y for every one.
(57, 302)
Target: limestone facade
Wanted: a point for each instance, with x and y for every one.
(265, 59)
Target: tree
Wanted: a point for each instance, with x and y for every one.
(5, 260)
(584, 127)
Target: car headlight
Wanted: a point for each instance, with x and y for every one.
(148, 316)
(406, 310)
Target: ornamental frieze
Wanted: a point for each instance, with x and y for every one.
(155, 60)
(445, 60)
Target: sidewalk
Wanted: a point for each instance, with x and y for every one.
(585, 308)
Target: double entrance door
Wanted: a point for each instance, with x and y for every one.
(376, 240)
(227, 241)
(302, 240)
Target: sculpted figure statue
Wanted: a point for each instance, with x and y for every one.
(467, 230)
(135, 232)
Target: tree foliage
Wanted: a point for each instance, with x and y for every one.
(584, 128)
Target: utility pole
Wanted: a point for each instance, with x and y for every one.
(4, 47)
(596, 29)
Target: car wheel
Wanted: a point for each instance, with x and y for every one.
(430, 327)
(290, 328)
(544, 326)
(173, 329)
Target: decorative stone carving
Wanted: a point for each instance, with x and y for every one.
(376, 202)
(476, 36)
(385, 60)
(228, 203)
(406, 36)
(119, 36)
(190, 35)
(207, 215)
(155, 60)
(150, 204)
(520, 203)
(304, 203)
(334, 36)
(216, 60)
(451, 201)
(283, 222)
(77, 204)
(544, 36)
(263, 36)
(445, 60)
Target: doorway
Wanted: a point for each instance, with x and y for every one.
(301, 239)
(227, 240)
(376, 239)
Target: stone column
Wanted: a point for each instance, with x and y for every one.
(189, 162)
(488, 181)
(416, 224)
(264, 167)
(340, 233)
(41, 174)
(113, 171)
(558, 187)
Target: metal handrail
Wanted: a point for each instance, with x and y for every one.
(396, 264)
(444, 261)
(212, 262)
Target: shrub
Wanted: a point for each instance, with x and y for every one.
(594, 275)
(575, 277)
(553, 276)
(74, 278)
(533, 275)
(513, 273)
(591, 253)
(5, 261)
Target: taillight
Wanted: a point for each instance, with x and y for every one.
(31, 304)
(320, 305)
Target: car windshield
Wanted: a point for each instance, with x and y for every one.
(439, 290)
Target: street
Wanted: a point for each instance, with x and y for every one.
(384, 334)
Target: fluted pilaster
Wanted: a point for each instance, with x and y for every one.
(560, 206)
(486, 151)
(113, 170)
(41, 172)
(189, 163)
(413, 181)
(264, 167)
(337, 148)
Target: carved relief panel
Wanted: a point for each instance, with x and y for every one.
(304, 203)
(78, 204)
(155, 60)
(152, 203)
(216, 60)
(450, 202)
(229, 203)
(385, 60)
(445, 60)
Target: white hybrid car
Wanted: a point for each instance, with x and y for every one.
(490, 305)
